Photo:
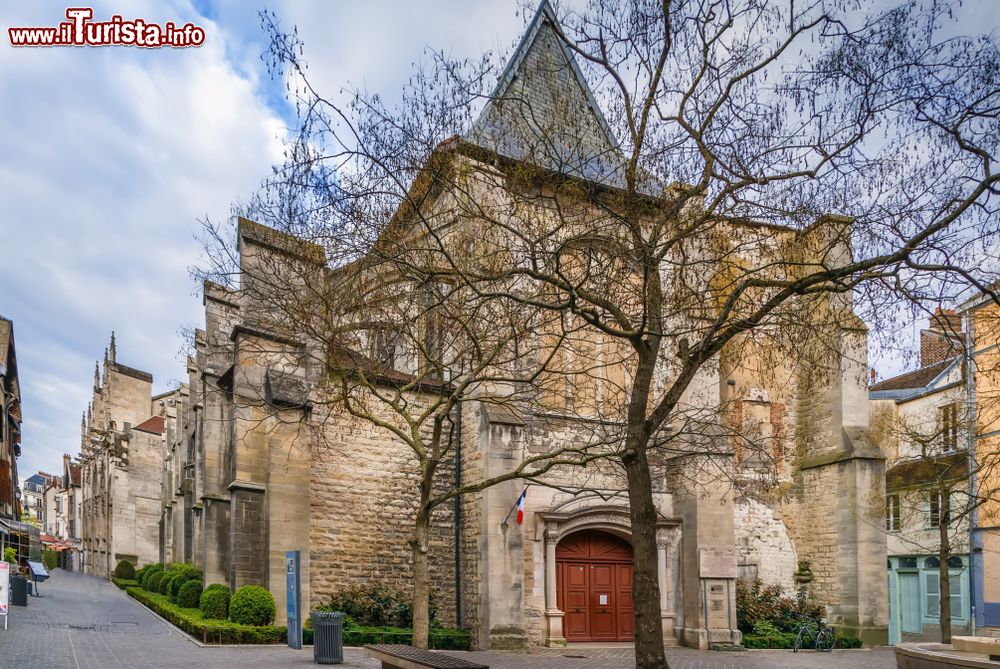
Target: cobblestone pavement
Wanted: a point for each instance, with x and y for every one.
(82, 622)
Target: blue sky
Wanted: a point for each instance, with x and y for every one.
(110, 156)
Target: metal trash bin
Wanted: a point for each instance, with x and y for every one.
(328, 637)
(18, 591)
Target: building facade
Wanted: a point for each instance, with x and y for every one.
(121, 467)
(33, 497)
(254, 470)
(920, 418)
(10, 443)
(981, 318)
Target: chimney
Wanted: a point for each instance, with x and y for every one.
(943, 337)
(946, 321)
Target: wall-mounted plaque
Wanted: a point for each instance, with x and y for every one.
(717, 562)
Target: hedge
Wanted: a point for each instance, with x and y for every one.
(439, 638)
(783, 640)
(208, 630)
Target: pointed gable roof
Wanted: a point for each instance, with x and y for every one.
(543, 111)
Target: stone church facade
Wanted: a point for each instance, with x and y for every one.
(257, 482)
(249, 468)
(122, 436)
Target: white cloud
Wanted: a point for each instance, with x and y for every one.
(107, 159)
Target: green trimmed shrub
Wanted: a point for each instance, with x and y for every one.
(182, 576)
(208, 631)
(251, 605)
(189, 594)
(848, 642)
(125, 569)
(150, 569)
(50, 559)
(438, 639)
(153, 580)
(10, 555)
(214, 602)
(164, 587)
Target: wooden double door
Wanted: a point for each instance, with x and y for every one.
(594, 587)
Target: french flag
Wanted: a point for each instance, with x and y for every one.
(520, 506)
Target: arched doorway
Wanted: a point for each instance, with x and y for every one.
(594, 587)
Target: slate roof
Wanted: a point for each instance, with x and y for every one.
(542, 110)
(917, 379)
(152, 425)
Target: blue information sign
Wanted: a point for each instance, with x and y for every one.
(293, 599)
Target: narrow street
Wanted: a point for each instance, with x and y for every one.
(83, 622)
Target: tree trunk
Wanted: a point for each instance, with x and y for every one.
(944, 578)
(645, 582)
(421, 579)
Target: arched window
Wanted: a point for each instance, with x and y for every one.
(932, 563)
(955, 562)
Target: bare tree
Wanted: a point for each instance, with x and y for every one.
(743, 176)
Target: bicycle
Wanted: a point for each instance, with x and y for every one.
(821, 636)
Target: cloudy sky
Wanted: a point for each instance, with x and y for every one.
(110, 156)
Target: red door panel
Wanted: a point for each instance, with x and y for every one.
(626, 612)
(602, 602)
(594, 587)
(576, 621)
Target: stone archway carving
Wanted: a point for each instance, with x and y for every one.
(593, 513)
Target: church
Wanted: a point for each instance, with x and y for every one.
(256, 466)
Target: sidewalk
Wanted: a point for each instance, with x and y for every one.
(84, 622)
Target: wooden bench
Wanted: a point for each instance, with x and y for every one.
(399, 656)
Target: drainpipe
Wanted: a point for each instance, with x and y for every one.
(970, 445)
(457, 431)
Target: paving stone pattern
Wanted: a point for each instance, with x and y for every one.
(85, 622)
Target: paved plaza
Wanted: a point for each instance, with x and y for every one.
(83, 622)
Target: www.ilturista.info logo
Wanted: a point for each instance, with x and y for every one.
(79, 30)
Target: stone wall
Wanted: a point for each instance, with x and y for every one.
(363, 492)
(763, 543)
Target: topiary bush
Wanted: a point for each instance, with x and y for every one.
(10, 555)
(147, 573)
(164, 588)
(214, 602)
(50, 559)
(183, 575)
(251, 605)
(153, 580)
(189, 594)
(125, 569)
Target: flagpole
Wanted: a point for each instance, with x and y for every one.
(516, 501)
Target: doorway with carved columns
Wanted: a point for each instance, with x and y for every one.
(591, 546)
